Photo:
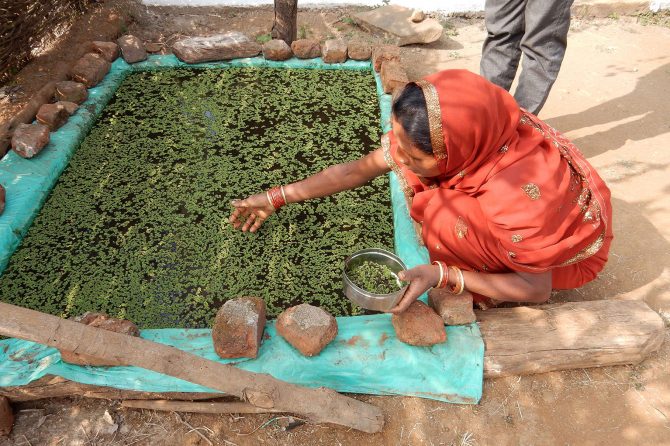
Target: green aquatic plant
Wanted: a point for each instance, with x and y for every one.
(375, 278)
(137, 225)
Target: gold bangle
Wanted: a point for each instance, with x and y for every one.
(267, 195)
(439, 282)
(461, 282)
(283, 195)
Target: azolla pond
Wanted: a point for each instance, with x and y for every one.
(137, 225)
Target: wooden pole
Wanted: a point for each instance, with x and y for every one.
(318, 405)
(285, 24)
(196, 407)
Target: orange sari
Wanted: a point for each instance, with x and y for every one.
(514, 194)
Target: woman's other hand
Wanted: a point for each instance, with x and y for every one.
(421, 279)
(251, 212)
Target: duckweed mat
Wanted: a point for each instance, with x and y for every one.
(136, 226)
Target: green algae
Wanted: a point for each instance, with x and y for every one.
(374, 278)
(137, 225)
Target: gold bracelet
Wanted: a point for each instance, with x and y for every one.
(267, 195)
(439, 282)
(462, 282)
(283, 195)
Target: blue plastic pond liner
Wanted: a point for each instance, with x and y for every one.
(366, 357)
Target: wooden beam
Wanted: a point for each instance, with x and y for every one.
(285, 24)
(573, 335)
(196, 407)
(318, 405)
(518, 341)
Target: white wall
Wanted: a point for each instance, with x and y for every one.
(426, 5)
(445, 6)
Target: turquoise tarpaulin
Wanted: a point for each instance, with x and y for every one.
(366, 356)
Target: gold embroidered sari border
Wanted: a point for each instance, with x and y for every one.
(434, 119)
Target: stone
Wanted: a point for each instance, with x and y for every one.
(105, 322)
(393, 76)
(334, 51)
(359, 50)
(419, 325)
(90, 69)
(52, 115)
(153, 47)
(454, 310)
(231, 45)
(238, 328)
(394, 23)
(6, 416)
(277, 49)
(383, 53)
(108, 50)
(29, 139)
(71, 91)
(307, 328)
(417, 16)
(71, 107)
(306, 48)
(132, 48)
(2, 198)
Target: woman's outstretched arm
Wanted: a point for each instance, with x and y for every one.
(251, 212)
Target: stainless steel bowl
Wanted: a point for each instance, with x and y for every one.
(365, 299)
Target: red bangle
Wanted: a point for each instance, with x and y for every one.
(276, 197)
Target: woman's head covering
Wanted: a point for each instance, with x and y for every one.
(513, 194)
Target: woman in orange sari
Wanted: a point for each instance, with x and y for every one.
(507, 207)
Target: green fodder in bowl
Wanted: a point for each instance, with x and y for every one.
(375, 278)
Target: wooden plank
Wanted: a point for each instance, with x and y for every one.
(519, 341)
(320, 405)
(526, 340)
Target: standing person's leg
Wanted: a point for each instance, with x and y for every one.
(501, 51)
(543, 46)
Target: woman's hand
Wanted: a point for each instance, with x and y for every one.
(421, 279)
(253, 211)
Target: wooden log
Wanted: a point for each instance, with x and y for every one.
(285, 24)
(318, 405)
(521, 340)
(574, 335)
(196, 407)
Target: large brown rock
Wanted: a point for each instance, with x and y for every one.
(231, 45)
(277, 49)
(6, 416)
(383, 53)
(334, 51)
(307, 328)
(52, 115)
(109, 50)
(132, 48)
(306, 48)
(454, 310)
(29, 139)
(393, 76)
(238, 328)
(71, 91)
(90, 69)
(395, 24)
(359, 50)
(419, 325)
(71, 107)
(105, 322)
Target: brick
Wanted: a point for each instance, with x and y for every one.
(71, 91)
(52, 115)
(419, 325)
(306, 48)
(277, 49)
(132, 48)
(238, 328)
(393, 76)
(454, 310)
(307, 328)
(359, 50)
(334, 51)
(383, 53)
(108, 50)
(90, 69)
(29, 139)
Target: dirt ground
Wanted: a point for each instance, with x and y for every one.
(611, 98)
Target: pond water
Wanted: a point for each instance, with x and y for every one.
(136, 226)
